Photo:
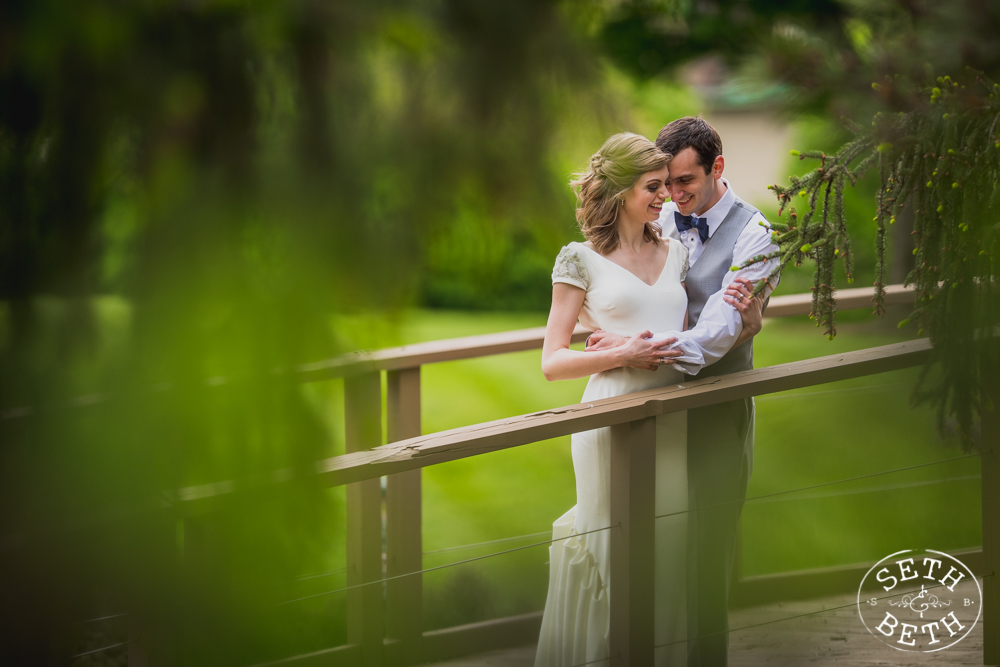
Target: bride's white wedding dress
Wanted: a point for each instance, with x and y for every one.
(575, 624)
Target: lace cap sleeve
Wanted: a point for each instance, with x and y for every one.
(685, 264)
(570, 268)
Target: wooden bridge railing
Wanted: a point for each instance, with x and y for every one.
(388, 630)
(632, 419)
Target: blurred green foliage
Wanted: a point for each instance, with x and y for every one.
(824, 54)
(194, 197)
(482, 262)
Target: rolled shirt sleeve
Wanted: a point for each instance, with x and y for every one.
(720, 323)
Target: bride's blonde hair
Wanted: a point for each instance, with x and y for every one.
(600, 189)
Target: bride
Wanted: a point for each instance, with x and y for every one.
(624, 278)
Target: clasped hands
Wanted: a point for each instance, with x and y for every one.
(639, 351)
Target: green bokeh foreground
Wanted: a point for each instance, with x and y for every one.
(804, 437)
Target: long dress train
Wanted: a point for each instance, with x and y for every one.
(576, 619)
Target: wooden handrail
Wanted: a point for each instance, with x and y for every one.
(848, 299)
(470, 347)
(493, 436)
(418, 354)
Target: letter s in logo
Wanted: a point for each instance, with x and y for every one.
(884, 576)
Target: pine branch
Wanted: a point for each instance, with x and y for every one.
(941, 162)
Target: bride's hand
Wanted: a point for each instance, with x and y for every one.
(640, 352)
(740, 296)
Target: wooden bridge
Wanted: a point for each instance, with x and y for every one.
(820, 632)
(384, 545)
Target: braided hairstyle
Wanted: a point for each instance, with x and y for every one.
(600, 189)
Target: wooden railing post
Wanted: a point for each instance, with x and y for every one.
(363, 425)
(403, 538)
(137, 648)
(633, 482)
(990, 461)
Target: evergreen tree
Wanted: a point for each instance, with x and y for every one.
(931, 140)
(939, 163)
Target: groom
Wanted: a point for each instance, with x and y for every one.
(720, 231)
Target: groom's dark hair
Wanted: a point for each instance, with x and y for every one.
(691, 132)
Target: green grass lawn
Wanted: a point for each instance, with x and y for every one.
(803, 438)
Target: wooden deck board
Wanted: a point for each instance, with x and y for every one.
(832, 637)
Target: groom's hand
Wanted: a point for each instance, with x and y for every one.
(604, 340)
(641, 352)
(638, 351)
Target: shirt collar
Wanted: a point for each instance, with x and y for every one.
(715, 215)
(718, 213)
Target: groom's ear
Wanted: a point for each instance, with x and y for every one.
(718, 166)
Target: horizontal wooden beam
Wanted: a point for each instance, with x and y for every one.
(432, 352)
(514, 431)
(348, 654)
(471, 347)
(444, 644)
(473, 638)
(788, 305)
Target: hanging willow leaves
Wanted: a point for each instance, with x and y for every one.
(942, 162)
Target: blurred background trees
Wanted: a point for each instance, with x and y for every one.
(197, 197)
(824, 54)
(191, 194)
(910, 85)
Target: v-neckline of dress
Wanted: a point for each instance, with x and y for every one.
(663, 268)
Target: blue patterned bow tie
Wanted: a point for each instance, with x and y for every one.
(686, 222)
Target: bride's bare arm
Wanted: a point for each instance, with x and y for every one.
(559, 362)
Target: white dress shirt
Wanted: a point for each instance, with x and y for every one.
(720, 324)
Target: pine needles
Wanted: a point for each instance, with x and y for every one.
(940, 161)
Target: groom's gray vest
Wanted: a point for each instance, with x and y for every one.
(705, 279)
